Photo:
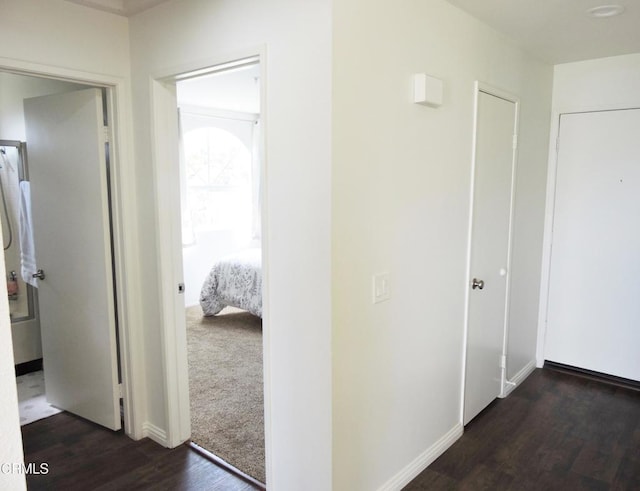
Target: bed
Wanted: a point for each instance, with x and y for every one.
(234, 281)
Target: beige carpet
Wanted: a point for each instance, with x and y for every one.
(225, 385)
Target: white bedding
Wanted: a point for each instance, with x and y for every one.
(235, 281)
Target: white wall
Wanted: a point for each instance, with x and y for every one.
(401, 180)
(529, 216)
(604, 83)
(16, 88)
(65, 35)
(13, 90)
(296, 39)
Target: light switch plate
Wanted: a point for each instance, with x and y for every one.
(381, 287)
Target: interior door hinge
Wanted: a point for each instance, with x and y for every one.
(503, 361)
(515, 141)
(120, 391)
(557, 145)
(106, 133)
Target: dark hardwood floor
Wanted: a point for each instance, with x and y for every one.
(557, 431)
(83, 456)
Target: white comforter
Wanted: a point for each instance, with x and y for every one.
(235, 281)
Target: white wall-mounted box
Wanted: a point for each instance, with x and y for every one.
(427, 90)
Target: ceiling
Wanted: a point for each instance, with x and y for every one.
(120, 7)
(560, 31)
(555, 31)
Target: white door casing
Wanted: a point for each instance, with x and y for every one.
(593, 311)
(164, 131)
(169, 238)
(490, 245)
(67, 168)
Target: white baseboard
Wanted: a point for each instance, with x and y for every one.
(406, 475)
(158, 435)
(519, 377)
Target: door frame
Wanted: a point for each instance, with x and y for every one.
(123, 209)
(506, 386)
(164, 131)
(550, 204)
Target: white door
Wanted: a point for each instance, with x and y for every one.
(593, 318)
(490, 231)
(67, 170)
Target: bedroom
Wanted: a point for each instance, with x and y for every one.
(220, 169)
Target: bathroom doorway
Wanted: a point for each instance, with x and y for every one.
(47, 199)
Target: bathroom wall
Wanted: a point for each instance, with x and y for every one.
(13, 90)
(16, 88)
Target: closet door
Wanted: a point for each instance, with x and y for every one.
(496, 127)
(70, 208)
(594, 293)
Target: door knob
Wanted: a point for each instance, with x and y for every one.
(39, 274)
(476, 283)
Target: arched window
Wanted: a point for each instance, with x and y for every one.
(218, 168)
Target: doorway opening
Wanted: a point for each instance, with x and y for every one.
(50, 252)
(220, 193)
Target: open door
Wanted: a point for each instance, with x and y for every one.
(72, 238)
(496, 128)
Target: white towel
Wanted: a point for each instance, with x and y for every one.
(27, 249)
